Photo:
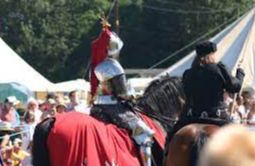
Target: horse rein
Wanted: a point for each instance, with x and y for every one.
(162, 118)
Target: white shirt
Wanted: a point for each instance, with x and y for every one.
(38, 115)
(27, 137)
(80, 107)
(83, 108)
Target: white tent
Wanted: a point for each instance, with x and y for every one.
(14, 69)
(68, 86)
(236, 46)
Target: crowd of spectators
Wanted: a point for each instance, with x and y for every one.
(233, 145)
(16, 128)
(243, 109)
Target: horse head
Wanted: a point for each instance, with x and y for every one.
(163, 100)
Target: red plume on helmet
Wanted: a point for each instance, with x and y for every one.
(107, 44)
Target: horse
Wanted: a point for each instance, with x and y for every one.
(78, 139)
(185, 142)
(186, 139)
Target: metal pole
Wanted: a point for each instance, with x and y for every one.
(117, 22)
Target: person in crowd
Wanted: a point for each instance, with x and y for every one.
(6, 128)
(50, 95)
(61, 108)
(232, 145)
(50, 108)
(18, 155)
(205, 83)
(227, 99)
(236, 116)
(58, 99)
(111, 103)
(32, 105)
(233, 108)
(240, 104)
(49, 102)
(74, 100)
(7, 154)
(251, 115)
(41, 106)
(75, 104)
(8, 112)
(28, 127)
(4, 142)
(248, 95)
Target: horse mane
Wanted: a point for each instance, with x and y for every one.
(162, 100)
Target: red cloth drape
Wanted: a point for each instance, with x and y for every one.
(98, 54)
(76, 139)
(159, 133)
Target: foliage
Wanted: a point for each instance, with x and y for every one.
(47, 32)
(160, 27)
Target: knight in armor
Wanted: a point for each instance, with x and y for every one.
(205, 83)
(111, 104)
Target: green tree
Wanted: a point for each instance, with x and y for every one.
(47, 32)
(55, 36)
(160, 27)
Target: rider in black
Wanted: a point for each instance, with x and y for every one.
(205, 83)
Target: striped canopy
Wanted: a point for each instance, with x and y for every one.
(236, 47)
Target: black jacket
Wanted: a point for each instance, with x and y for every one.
(204, 86)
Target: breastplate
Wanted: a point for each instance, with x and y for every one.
(105, 100)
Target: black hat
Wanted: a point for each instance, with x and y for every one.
(205, 48)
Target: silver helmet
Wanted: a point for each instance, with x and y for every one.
(111, 71)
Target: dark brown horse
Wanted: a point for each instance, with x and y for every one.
(72, 139)
(191, 134)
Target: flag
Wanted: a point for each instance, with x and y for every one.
(98, 54)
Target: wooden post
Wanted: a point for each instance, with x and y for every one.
(117, 21)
